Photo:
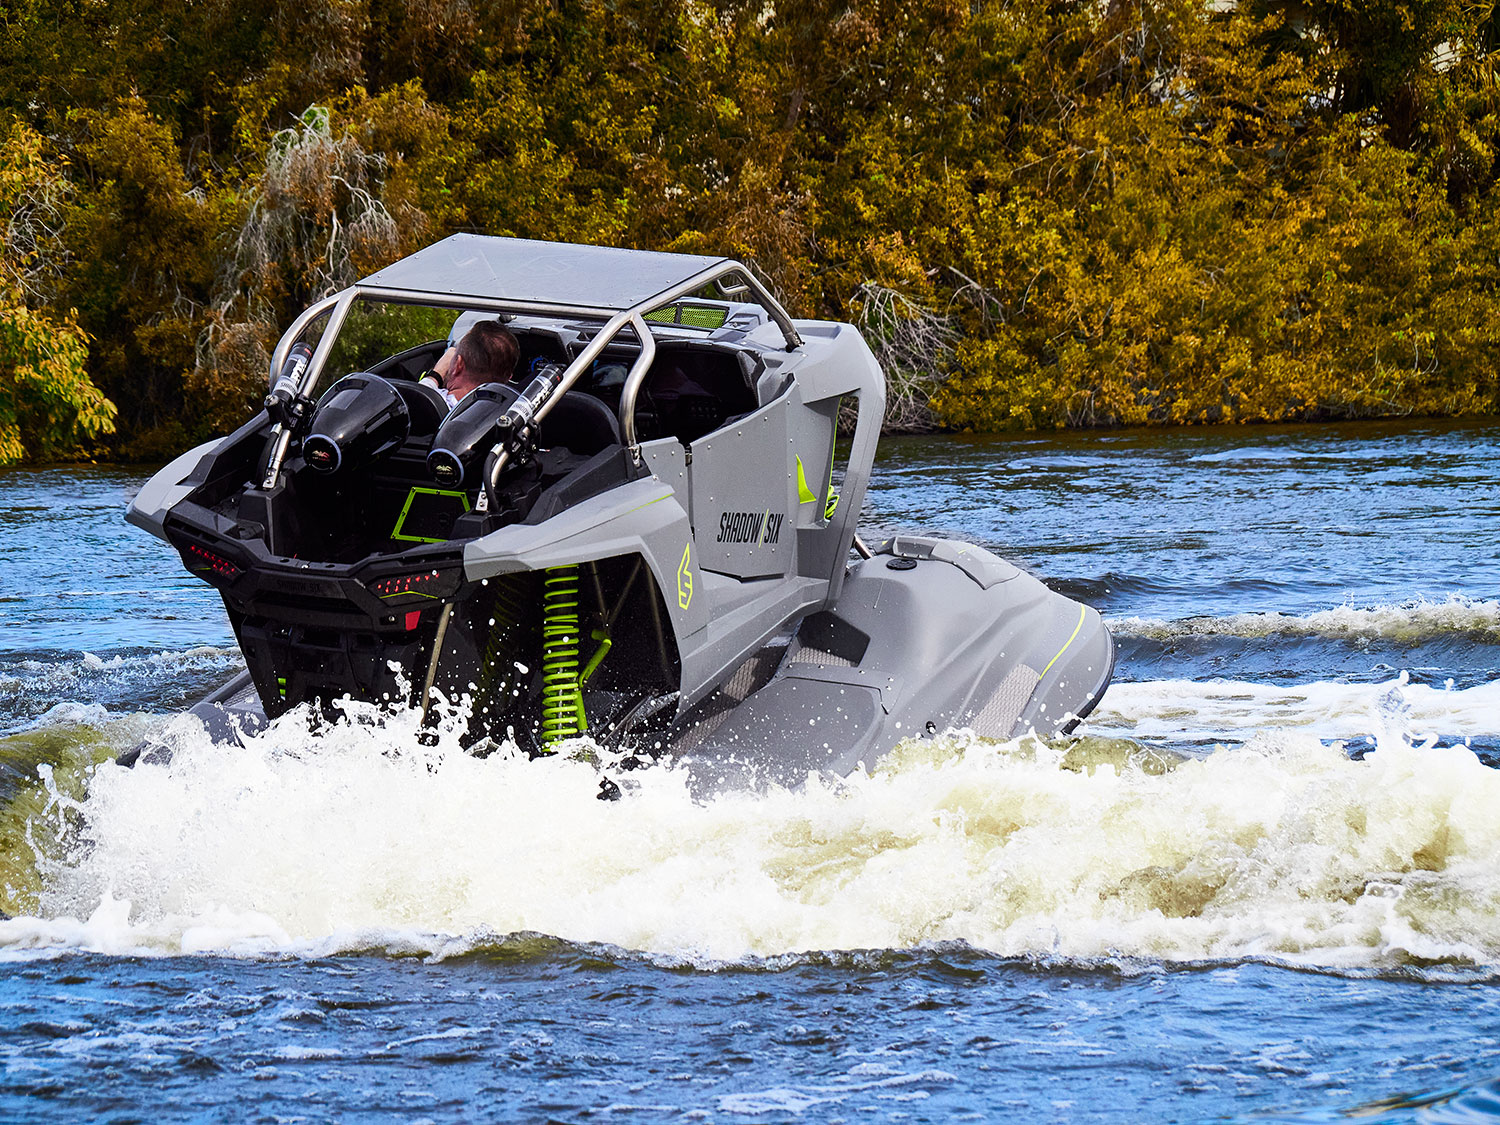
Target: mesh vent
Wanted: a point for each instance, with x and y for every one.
(692, 315)
(807, 654)
(997, 718)
(752, 675)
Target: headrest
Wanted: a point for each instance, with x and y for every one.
(580, 422)
(424, 403)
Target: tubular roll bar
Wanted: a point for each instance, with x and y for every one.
(281, 437)
(338, 305)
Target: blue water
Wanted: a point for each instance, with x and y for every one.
(1283, 519)
(78, 579)
(1312, 930)
(545, 1031)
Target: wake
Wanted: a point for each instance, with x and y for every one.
(362, 838)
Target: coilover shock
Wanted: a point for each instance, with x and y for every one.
(562, 700)
(497, 687)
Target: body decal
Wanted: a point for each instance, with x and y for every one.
(685, 578)
(755, 528)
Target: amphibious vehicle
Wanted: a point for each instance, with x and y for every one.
(648, 536)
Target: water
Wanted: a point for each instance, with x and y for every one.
(1261, 885)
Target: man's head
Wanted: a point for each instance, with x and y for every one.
(489, 351)
(487, 354)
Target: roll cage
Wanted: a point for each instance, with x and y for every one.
(612, 275)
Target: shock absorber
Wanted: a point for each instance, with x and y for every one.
(495, 692)
(562, 701)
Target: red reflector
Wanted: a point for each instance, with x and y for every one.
(413, 619)
(422, 584)
(210, 561)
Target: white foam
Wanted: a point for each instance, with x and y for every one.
(1231, 708)
(296, 1053)
(1408, 622)
(798, 1101)
(363, 839)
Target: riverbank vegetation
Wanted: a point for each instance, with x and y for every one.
(1042, 213)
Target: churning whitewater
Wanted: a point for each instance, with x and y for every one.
(1281, 847)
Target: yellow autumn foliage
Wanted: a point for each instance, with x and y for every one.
(1042, 213)
(48, 406)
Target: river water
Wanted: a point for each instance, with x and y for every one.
(1262, 883)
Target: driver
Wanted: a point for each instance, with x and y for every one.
(487, 354)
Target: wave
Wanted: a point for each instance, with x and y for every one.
(1226, 709)
(1410, 622)
(1472, 1104)
(363, 839)
(31, 686)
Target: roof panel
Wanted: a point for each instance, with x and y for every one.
(554, 273)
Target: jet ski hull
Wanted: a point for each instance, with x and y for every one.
(941, 636)
(936, 637)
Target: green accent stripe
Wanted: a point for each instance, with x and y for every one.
(804, 494)
(648, 503)
(398, 534)
(1081, 611)
(833, 497)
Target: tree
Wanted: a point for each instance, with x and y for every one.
(315, 223)
(142, 243)
(48, 406)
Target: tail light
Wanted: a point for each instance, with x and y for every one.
(416, 587)
(205, 563)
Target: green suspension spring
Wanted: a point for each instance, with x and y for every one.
(562, 701)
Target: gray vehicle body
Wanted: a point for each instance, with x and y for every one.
(769, 641)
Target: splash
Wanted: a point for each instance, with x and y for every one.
(35, 765)
(363, 838)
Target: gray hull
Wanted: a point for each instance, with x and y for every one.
(931, 637)
(936, 637)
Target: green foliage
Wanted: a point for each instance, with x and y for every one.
(48, 406)
(142, 240)
(372, 331)
(1041, 213)
(1196, 244)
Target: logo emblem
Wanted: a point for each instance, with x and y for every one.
(685, 578)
